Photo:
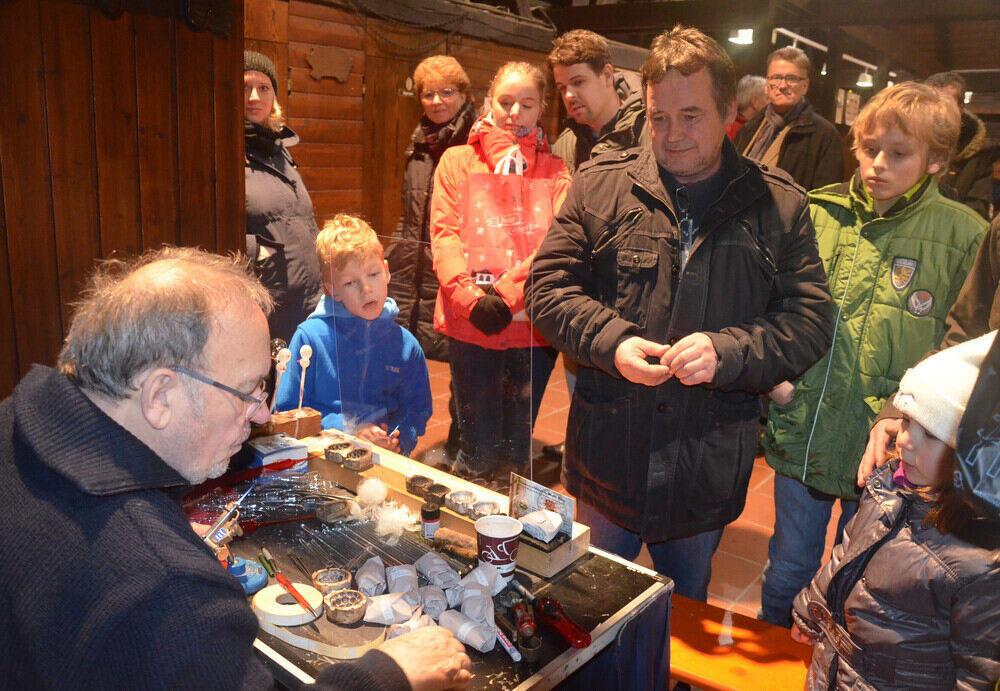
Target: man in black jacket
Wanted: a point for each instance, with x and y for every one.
(606, 115)
(789, 133)
(604, 107)
(971, 168)
(105, 584)
(686, 281)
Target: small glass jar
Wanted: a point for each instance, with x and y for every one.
(430, 519)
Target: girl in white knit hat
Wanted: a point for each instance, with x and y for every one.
(911, 598)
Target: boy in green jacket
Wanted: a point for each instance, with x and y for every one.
(896, 253)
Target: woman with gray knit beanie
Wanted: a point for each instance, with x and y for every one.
(281, 228)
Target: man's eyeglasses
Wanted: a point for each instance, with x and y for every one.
(252, 402)
(790, 79)
(428, 96)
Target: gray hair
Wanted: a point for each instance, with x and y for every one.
(750, 87)
(794, 55)
(153, 310)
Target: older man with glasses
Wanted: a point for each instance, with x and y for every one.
(105, 585)
(789, 134)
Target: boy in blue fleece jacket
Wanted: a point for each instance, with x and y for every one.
(367, 375)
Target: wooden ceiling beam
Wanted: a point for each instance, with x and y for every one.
(714, 15)
(653, 17)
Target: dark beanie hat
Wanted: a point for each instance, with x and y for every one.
(260, 63)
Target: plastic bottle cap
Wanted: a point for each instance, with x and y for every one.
(430, 511)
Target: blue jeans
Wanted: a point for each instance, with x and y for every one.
(795, 551)
(687, 561)
(497, 396)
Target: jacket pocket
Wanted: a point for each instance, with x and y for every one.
(762, 253)
(726, 450)
(611, 234)
(597, 438)
(637, 272)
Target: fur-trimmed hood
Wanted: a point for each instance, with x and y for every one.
(971, 137)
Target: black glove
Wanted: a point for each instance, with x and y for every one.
(490, 315)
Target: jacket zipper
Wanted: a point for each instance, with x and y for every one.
(765, 253)
(829, 362)
(631, 218)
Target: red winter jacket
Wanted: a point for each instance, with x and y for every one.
(458, 293)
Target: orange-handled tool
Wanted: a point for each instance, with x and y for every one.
(287, 585)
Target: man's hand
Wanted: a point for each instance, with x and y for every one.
(630, 359)
(378, 435)
(200, 529)
(431, 658)
(800, 637)
(692, 359)
(884, 431)
(782, 393)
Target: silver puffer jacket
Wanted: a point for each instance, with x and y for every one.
(901, 606)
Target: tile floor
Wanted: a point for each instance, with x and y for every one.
(739, 561)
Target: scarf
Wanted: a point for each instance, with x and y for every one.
(770, 127)
(498, 143)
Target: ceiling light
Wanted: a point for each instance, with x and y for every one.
(864, 79)
(968, 97)
(823, 71)
(741, 37)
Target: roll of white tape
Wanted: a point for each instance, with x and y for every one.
(270, 610)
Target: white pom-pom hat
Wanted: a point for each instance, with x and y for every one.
(935, 391)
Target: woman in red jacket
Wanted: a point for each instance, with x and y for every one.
(493, 201)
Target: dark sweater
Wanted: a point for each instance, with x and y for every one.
(105, 584)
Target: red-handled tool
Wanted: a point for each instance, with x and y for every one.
(550, 613)
(523, 620)
(287, 584)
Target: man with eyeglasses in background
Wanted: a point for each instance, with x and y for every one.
(105, 584)
(789, 133)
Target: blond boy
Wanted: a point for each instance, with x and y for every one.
(896, 253)
(367, 375)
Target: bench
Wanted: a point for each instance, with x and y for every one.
(711, 648)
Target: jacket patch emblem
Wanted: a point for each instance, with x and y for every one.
(920, 303)
(903, 270)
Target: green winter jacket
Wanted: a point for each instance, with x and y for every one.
(892, 280)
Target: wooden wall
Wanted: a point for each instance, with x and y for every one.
(353, 134)
(122, 134)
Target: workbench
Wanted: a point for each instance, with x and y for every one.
(625, 607)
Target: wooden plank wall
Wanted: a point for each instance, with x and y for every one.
(353, 134)
(126, 134)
